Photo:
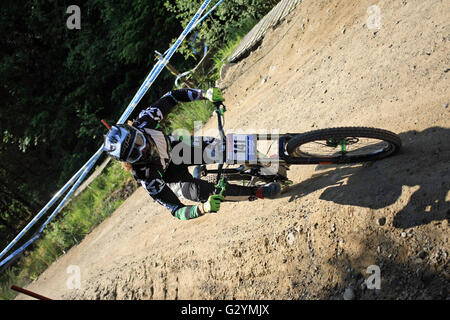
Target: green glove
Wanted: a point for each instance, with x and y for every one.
(214, 95)
(213, 203)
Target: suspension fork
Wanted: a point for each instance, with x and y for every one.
(220, 186)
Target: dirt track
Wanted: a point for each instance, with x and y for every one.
(321, 67)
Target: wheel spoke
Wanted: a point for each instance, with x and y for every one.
(347, 148)
(343, 145)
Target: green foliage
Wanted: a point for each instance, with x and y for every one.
(229, 19)
(7, 279)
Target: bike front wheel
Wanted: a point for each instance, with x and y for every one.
(343, 145)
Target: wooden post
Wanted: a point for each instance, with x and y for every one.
(29, 293)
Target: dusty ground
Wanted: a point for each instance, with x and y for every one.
(321, 67)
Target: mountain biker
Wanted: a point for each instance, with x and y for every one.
(145, 151)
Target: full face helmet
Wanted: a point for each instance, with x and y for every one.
(125, 143)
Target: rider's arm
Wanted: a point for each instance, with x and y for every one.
(162, 194)
(151, 116)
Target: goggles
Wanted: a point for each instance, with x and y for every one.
(137, 147)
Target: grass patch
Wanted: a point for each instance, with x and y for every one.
(187, 113)
(97, 202)
(223, 54)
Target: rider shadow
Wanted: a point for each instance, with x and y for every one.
(423, 163)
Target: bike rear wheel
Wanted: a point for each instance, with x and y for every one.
(344, 145)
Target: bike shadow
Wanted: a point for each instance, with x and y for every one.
(423, 163)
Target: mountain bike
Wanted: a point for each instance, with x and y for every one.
(244, 163)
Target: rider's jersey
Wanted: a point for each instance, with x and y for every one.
(150, 174)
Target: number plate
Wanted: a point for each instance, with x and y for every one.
(241, 148)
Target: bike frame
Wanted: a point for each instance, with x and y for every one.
(252, 165)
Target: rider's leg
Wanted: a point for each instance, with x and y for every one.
(184, 184)
(200, 190)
